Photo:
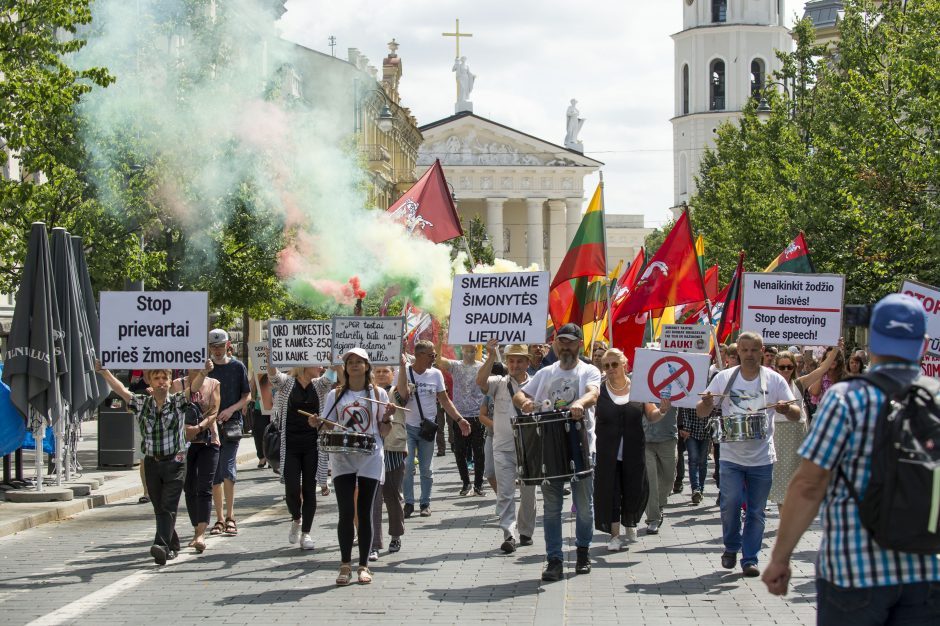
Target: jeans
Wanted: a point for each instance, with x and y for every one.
(226, 469)
(201, 461)
(740, 484)
(911, 604)
(300, 484)
(348, 503)
(165, 485)
(425, 452)
(661, 473)
(698, 462)
(582, 492)
(473, 442)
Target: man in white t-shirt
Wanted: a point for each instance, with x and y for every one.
(572, 384)
(424, 383)
(502, 389)
(749, 389)
(467, 398)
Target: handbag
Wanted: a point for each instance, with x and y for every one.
(271, 442)
(428, 428)
(192, 416)
(231, 429)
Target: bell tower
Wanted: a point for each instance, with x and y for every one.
(723, 56)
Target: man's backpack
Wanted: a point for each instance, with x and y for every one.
(901, 506)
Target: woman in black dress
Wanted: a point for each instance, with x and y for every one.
(620, 486)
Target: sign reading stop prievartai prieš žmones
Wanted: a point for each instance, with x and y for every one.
(154, 329)
(299, 343)
(793, 309)
(511, 308)
(930, 298)
(380, 337)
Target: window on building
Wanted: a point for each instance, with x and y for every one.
(717, 85)
(685, 89)
(757, 77)
(719, 10)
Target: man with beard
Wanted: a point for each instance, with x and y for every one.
(574, 385)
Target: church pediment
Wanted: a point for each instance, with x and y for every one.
(469, 140)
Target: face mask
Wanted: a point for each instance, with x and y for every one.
(331, 375)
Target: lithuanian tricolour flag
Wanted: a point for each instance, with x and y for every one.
(585, 259)
(795, 259)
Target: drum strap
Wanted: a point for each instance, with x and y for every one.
(336, 403)
(734, 376)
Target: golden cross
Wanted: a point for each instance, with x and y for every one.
(457, 35)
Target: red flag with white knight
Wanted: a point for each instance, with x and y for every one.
(428, 208)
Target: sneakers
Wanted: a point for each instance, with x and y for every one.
(394, 545)
(409, 510)
(696, 497)
(583, 564)
(728, 560)
(425, 511)
(615, 544)
(478, 491)
(677, 488)
(509, 545)
(159, 554)
(306, 542)
(750, 570)
(629, 533)
(294, 535)
(525, 540)
(554, 571)
(374, 555)
(652, 528)
(465, 490)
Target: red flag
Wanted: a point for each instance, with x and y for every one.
(628, 335)
(731, 311)
(671, 277)
(629, 278)
(693, 312)
(428, 208)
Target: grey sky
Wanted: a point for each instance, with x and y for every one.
(531, 57)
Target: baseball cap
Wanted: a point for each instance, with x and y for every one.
(217, 335)
(516, 349)
(570, 332)
(898, 327)
(359, 352)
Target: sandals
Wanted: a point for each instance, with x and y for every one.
(230, 527)
(143, 500)
(365, 575)
(345, 576)
(199, 546)
(217, 529)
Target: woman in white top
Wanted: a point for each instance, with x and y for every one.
(352, 406)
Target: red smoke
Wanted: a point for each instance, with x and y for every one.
(357, 290)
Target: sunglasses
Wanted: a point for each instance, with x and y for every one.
(784, 367)
(610, 366)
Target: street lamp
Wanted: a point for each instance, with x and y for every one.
(763, 110)
(386, 119)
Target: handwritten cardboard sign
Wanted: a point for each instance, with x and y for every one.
(299, 343)
(379, 336)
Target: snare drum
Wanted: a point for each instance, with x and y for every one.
(741, 427)
(551, 445)
(346, 442)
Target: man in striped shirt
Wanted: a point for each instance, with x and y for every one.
(857, 581)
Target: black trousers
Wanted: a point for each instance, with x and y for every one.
(201, 462)
(300, 484)
(165, 486)
(680, 463)
(441, 420)
(345, 487)
(465, 446)
(258, 423)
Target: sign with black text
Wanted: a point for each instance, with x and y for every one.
(379, 336)
(685, 338)
(793, 308)
(511, 308)
(679, 376)
(154, 329)
(930, 298)
(258, 356)
(299, 343)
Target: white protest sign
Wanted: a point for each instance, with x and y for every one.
(154, 329)
(930, 366)
(265, 393)
(379, 336)
(680, 376)
(930, 298)
(793, 308)
(299, 343)
(685, 338)
(511, 308)
(258, 355)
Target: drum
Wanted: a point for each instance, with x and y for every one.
(346, 442)
(740, 427)
(551, 445)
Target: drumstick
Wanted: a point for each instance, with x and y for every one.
(714, 395)
(323, 419)
(770, 406)
(388, 404)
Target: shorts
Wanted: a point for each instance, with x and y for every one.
(489, 469)
(226, 467)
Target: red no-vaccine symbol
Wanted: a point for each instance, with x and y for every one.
(669, 370)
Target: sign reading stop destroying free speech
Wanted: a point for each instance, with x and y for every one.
(511, 308)
(793, 308)
(299, 343)
(679, 376)
(154, 329)
(930, 298)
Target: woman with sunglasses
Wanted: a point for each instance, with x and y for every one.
(620, 486)
(788, 435)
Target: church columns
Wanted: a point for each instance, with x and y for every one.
(494, 224)
(574, 218)
(557, 234)
(535, 231)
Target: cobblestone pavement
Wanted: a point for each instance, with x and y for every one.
(94, 568)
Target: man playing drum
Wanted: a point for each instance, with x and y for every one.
(572, 385)
(748, 393)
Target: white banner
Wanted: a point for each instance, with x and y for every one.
(679, 376)
(511, 308)
(685, 338)
(789, 309)
(379, 336)
(258, 356)
(154, 329)
(930, 298)
(299, 343)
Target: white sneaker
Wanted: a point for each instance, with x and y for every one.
(614, 545)
(629, 533)
(306, 542)
(294, 535)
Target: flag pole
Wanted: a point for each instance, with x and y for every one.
(708, 303)
(610, 325)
